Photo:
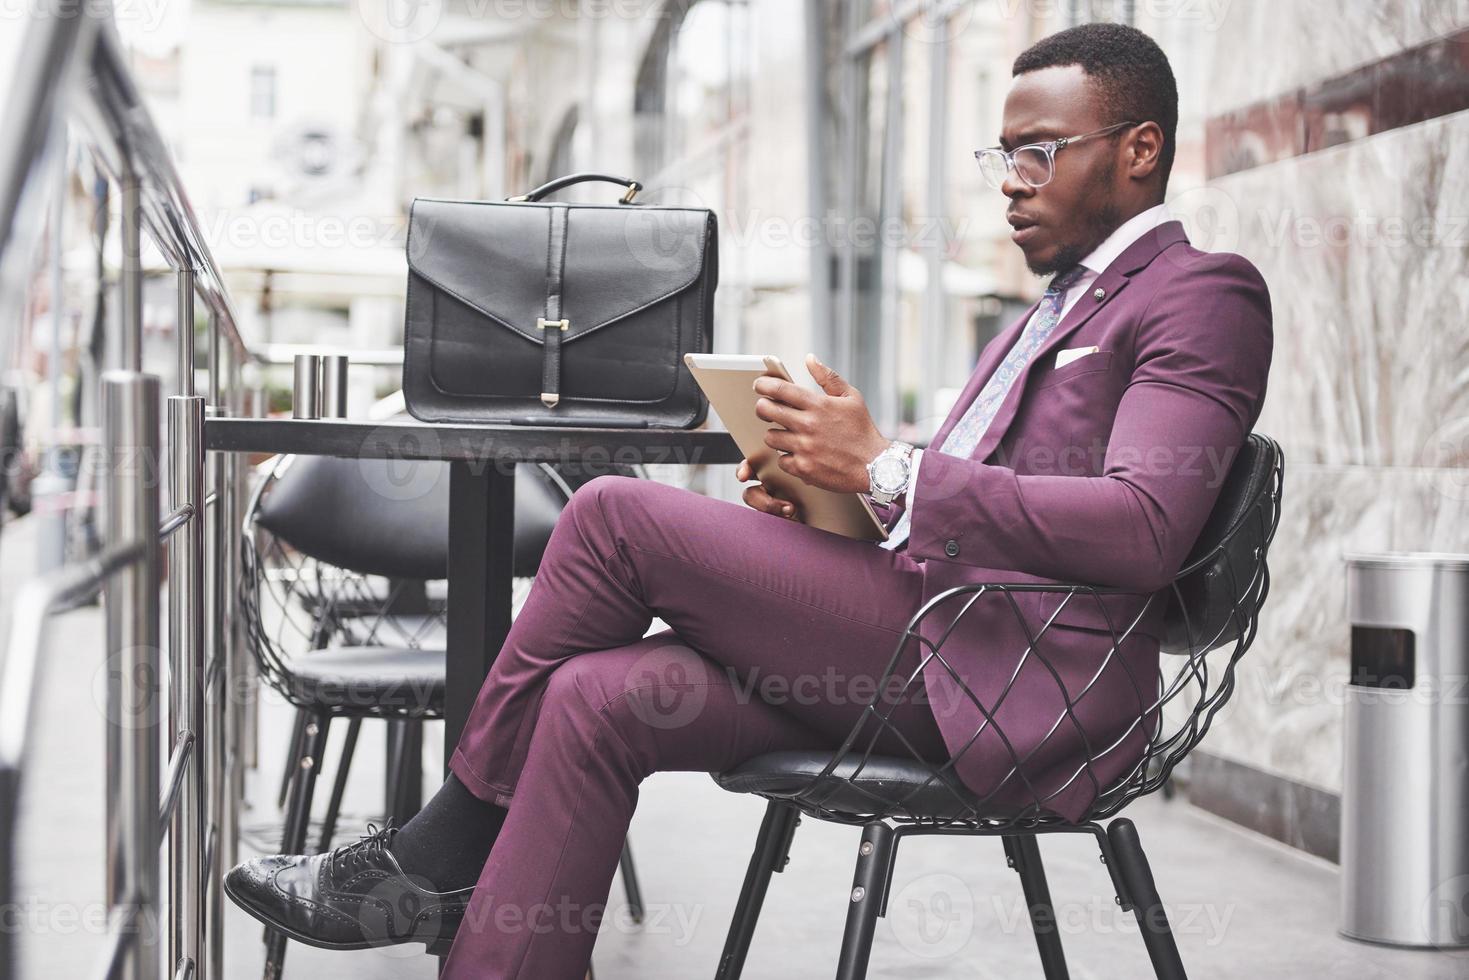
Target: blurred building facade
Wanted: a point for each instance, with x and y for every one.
(834, 138)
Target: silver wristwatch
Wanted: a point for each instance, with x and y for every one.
(888, 474)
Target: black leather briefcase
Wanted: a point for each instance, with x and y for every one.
(545, 313)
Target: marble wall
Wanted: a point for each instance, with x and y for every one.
(1365, 246)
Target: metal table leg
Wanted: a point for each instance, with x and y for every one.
(481, 554)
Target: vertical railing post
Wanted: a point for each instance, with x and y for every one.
(130, 440)
(213, 354)
(130, 284)
(186, 668)
(243, 702)
(186, 332)
(216, 705)
(9, 791)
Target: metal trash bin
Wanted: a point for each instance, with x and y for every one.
(1405, 780)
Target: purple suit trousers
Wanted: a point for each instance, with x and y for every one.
(779, 634)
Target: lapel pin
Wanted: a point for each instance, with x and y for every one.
(1100, 293)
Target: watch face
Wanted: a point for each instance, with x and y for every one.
(888, 473)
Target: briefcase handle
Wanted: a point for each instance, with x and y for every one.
(552, 186)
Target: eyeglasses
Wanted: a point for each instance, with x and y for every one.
(1034, 163)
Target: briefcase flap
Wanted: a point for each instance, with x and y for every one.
(615, 260)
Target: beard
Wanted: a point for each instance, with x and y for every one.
(1097, 225)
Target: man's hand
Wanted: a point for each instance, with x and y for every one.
(826, 438)
(762, 499)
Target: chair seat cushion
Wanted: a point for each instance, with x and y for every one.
(885, 785)
(392, 681)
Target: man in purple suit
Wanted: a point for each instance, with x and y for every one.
(1089, 446)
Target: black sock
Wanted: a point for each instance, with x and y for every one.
(448, 840)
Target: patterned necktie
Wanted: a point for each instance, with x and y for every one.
(969, 430)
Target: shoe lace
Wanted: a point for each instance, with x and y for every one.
(366, 850)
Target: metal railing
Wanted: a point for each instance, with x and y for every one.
(71, 73)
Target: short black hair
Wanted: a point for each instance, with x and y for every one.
(1134, 80)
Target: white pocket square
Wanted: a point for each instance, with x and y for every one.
(1065, 357)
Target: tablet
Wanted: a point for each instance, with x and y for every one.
(728, 380)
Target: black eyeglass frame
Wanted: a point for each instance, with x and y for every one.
(1049, 147)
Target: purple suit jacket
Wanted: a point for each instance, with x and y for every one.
(1102, 472)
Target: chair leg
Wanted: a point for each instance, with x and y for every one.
(339, 785)
(867, 899)
(298, 816)
(293, 755)
(1142, 894)
(393, 753)
(405, 780)
(630, 883)
(1024, 854)
(412, 770)
(772, 851)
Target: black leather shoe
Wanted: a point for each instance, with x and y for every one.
(352, 897)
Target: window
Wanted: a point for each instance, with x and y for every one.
(262, 92)
(560, 161)
(1087, 11)
(691, 133)
(692, 85)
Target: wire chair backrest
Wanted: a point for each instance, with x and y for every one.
(1213, 608)
(1213, 604)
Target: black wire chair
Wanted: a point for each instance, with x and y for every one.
(343, 562)
(1210, 620)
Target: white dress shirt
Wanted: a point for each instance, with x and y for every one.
(1094, 265)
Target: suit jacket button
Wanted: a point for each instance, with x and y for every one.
(951, 548)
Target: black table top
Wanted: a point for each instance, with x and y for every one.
(507, 444)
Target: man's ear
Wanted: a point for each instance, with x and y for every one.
(1145, 146)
